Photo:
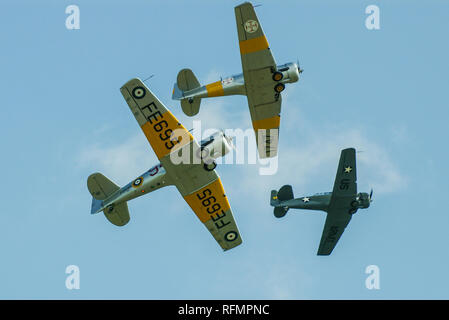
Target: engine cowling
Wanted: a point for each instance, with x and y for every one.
(218, 145)
(290, 72)
(362, 201)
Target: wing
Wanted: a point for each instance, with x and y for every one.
(179, 155)
(254, 48)
(157, 123)
(344, 192)
(212, 207)
(345, 184)
(258, 65)
(336, 222)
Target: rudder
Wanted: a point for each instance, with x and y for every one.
(274, 198)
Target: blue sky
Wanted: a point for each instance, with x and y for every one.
(384, 92)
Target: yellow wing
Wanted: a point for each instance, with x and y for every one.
(258, 65)
(157, 123)
(212, 207)
(201, 189)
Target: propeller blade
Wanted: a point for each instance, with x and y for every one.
(230, 140)
(371, 195)
(299, 67)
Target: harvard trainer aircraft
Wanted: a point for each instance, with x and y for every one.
(183, 163)
(340, 204)
(262, 82)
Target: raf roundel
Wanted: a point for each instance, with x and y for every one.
(137, 182)
(251, 26)
(139, 92)
(231, 236)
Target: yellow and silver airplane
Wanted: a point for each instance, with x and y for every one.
(262, 81)
(183, 163)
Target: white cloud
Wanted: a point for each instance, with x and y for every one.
(316, 157)
(120, 162)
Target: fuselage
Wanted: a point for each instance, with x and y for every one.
(315, 202)
(153, 179)
(215, 146)
(235, 85)
(321, 201)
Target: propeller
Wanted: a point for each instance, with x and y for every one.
(371, 195)
(299, 67)
(228, 139)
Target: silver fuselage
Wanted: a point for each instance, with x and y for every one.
(235, 85)
(153, 179)
(321, 201)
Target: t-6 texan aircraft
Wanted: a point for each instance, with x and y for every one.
(340, 204)
(262, 82)
(183, 163)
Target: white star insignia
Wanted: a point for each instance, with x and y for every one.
(305, 199)
(348, 169)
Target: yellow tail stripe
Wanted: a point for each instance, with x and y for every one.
(253, 45)
(215, 89)
(268, 123)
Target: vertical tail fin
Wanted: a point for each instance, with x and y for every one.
(96, 205)
(274, 198)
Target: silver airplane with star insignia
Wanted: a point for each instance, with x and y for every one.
(340, 204)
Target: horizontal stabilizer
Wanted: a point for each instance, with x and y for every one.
(101, 187)
(117, 214)
(191, 106)
(187, 81)
(285, 193)
(279, 212)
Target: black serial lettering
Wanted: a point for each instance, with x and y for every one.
(156, 118)
(209, 202)
(205, 193)
(344, 184)
(150, 107)
(158, 127)
(220, 224)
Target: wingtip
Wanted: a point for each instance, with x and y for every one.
(130, 81)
